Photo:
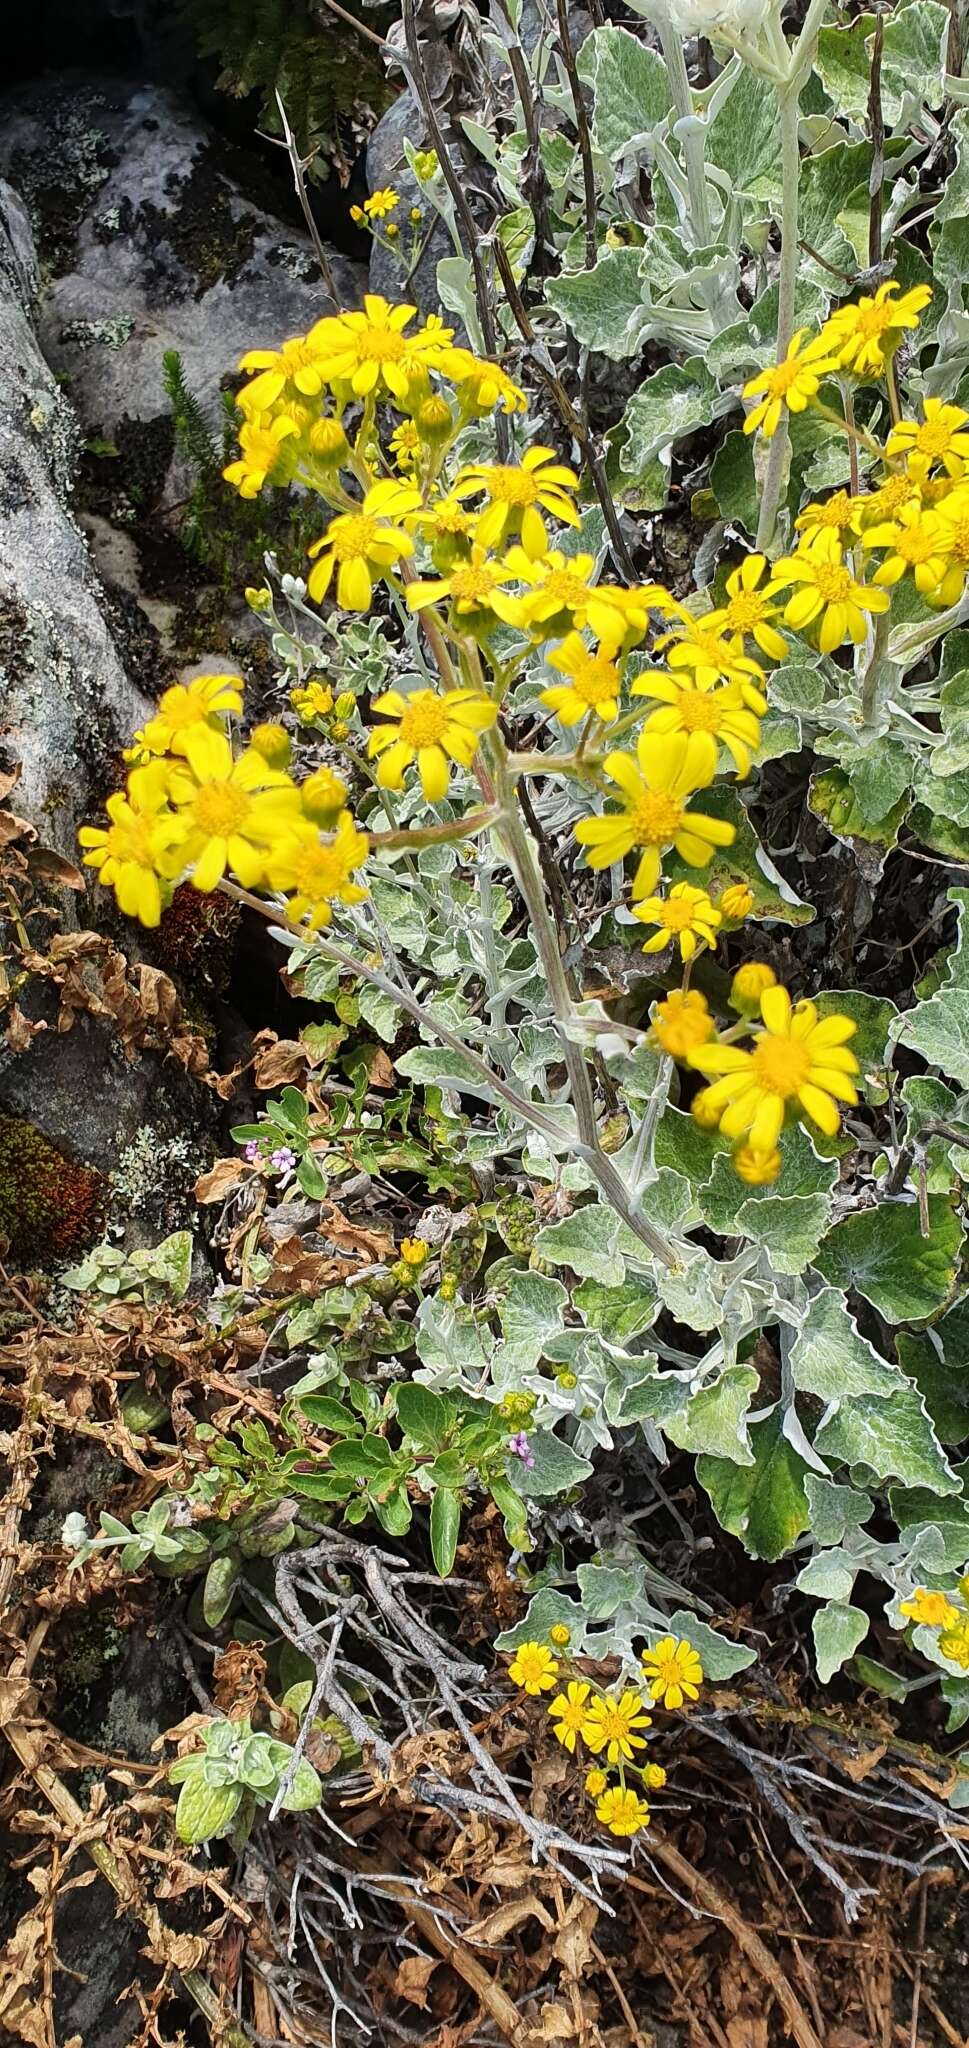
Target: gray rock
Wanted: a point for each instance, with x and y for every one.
(387, 165)
(152, 245)
(66, 702)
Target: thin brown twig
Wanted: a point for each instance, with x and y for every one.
(582, 133)
(913, 2032)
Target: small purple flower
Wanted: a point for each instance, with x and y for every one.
(520, 1447)
(251, 1151)
(283, 1159)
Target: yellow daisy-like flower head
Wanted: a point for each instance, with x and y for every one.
(612, 1725)
(568, 1712)
(940, 437)
(711, 715)
(655, 814)
(475, 586)
(264, 443)
(798, 1062)
(311, 700)
(371, 351)
(561, 591)
(534, 1668)
(481, 385)
(294, 368)
(736, 902)
(757, 1169)
(594, 682)
(932, 1610)
(836, 514)
(596, 1783)
(434, 729)
(405, 444)
(703, 647)
(128, 853)
(955, 1645)
(654, 1776)
(315, 872)
(750, 611)
(517, 494)
(954, 511)
(229, 812)
(196, 709)
(674, 1672)
(866, 334)
(828, 595)
(272, 741)
(917, 542)
(682, 1023)
(792, 383)
(622, 1811)
(381, 203)
(363, 544)
(686, 917)
(885, 503)
(748, 986)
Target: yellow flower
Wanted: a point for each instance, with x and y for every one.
(654, 1776)
(867, 333)
(515, 494)
(362, 544)
(562, 588)
(432, 729)
(829, 595)
(414, 1251)
(674, 1672)
(711, 716)
(885, 503)
(749, 610)
(381, 203)
(594, 682)
(534, 1668)
(933, 1610)
(371, 351)
(681, 1023)
(797, 1061)
(311, 700)
(317, 872)
(917, 539)
(955, 1645)
(792, 383)
(473, 585)
(560, 1635)
(127, 853)
(323, 796)
(595, 1783)
(954, 511)
(736, 903)
(447, 518)
(568, 1713)
(295, 363)
(758, 1169)
(941, 437)
(611, 1724)
(686, 915)
(481, 384)
(748, 986)
(654, 814)
(836, 514)
(229, 811)
(703, 646)
(193, 710)
(261, 440)
(405, 444)
(622, 1811)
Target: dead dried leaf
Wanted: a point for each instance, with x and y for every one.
(279, 1062)
(495, 1926)
(372, 1245)
(18, 1700)
(573, 1943)
(412, 1978)
(222, 1178)
(20, 1030)
(858, 1767)
(381, 1073)
(46, 865)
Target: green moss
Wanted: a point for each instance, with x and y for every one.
(50, 1205)
(196, 939)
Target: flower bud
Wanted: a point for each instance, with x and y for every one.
(259, 600)
(323, 796)
(345, 705)
(434, 419)
(328, 442)
(273, 743)
(559, 1635)
(748, 986)
(706, 1116)
(758, 1169)
(737, 902)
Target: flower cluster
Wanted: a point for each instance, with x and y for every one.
(949, 1616)
(196, 808)
(610, 1722)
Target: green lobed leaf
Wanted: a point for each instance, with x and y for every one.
(665, 407)
(607, 307)
(831, 1359)
(744, 138)
(881, 1254)
(937, 1359)
(630, 88)
(715, 1418)
(938, 1028)
(587, 1243)
(557, 1467)
(531, 1311)
(891, 1438)
(765, 1503)
(744, 861)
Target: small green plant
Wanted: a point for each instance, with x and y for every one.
(224, 1784)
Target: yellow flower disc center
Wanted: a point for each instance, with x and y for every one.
(472, 583)
(933, 438)
(566, 587)
(699, 713)
(915, 545)
(130, 841)
(424, 721)
(656, 818)
(593, 682)
(294, 355)
(959, 544)
(833, 581)
(319, 871)
(781, 1065)
(677, 915)
(746, 610)
(352, 535)
(183, 711)
(783, 376)
(220, 809)
(874, 320)
(507, 486)
(381, 345)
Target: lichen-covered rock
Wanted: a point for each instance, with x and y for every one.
(151, 243)
(67, 704)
